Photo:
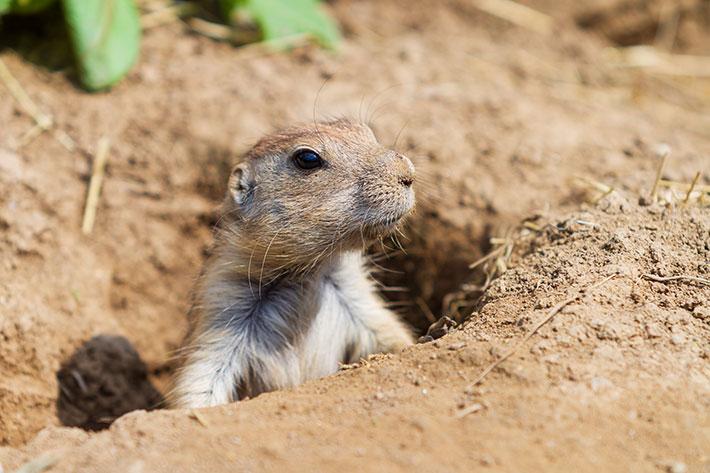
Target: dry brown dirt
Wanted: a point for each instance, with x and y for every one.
(499, 121)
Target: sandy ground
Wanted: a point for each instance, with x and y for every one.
(499, 121)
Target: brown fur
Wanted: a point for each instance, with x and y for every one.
(283, 242)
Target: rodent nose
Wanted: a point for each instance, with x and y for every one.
(406, 177)
(406, 181)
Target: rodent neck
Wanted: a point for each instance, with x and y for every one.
(264, 267)
(265, 262)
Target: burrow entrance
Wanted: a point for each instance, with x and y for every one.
(419, 274)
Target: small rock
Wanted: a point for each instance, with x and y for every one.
(677, 339)
(702, 312)
(496, 352)
(456, 346)
(613, 203)
(676, 467)
(486, 460)
(598, 383)
(615, 244)
(438, 329)
(552, 359)
(654, 331)
(540, 347)
(523, 321)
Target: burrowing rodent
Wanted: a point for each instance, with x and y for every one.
(286, 294)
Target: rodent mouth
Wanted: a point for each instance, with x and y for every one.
(379, 226)
(383, 227)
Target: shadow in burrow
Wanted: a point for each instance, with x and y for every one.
(102, 380)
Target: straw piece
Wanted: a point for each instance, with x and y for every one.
(97, 175)
(692, 187)
(663, 152)
(167, 14)
(654, 61)
(517, 14)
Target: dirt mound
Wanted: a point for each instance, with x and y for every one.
(501, 122)
(617, 380)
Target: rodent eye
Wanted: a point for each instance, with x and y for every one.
(307, 159)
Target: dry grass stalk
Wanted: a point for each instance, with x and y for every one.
(517, 14)
(97, 175)
(493, 254)
(493, 265)
(549, 316)
(603, 189)
(653, 61)
(663, 152)
(210, 29)
(692, 187)
(167, 14)
(596, 185)
(43, 121)
(461, 413)
(195, 414)
(667, 26)
(248, 43)
(532, 226)
(684, 185)
(682, 277)
(425, 310)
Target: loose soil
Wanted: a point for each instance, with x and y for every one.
(501, 122)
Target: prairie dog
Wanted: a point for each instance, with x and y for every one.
(286, 294)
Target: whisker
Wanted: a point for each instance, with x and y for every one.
(266, 253)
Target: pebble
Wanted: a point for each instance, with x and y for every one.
(702, 312)
(598, 383)
(654, 331)
(676, 467)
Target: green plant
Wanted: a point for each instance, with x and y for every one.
(281, 18)
(105, 34)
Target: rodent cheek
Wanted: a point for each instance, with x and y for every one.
(277, 210)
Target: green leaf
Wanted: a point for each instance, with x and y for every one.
(281, 18)
(106, 39)
(4, 6)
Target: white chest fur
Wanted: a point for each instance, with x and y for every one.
(296, 334)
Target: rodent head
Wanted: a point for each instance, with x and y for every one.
(306, 192)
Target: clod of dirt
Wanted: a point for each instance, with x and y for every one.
(104, 379)
(438, 329)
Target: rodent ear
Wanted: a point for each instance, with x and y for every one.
(239, 183)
